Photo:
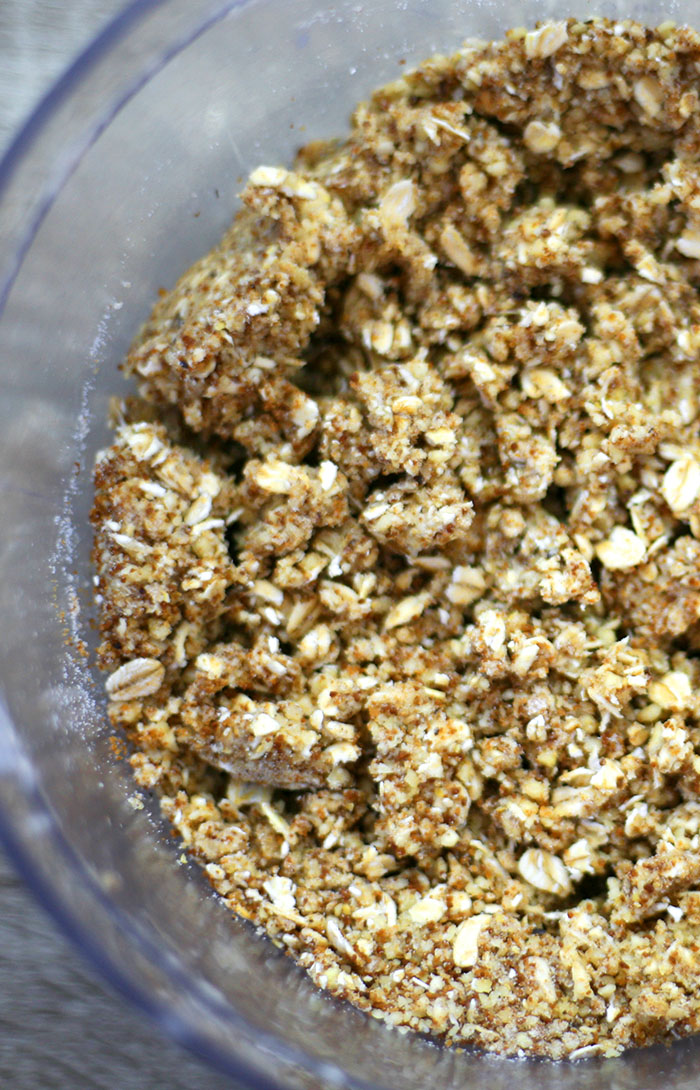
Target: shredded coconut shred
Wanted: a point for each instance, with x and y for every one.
(398, 550)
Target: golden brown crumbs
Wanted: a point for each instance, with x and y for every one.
(399, 558)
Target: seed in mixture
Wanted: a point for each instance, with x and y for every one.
(398, 550)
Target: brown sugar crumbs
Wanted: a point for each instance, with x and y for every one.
(399, 548)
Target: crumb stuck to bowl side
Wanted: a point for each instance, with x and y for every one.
(399, 548)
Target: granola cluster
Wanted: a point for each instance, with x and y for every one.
(398, 552)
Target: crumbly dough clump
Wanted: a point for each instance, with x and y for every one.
(399, 555)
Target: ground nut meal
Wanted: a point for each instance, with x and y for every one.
(399, 549)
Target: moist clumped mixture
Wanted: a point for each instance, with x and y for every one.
(398, 550)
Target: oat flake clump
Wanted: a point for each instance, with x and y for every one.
(399, 551)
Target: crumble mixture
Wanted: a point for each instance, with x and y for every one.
(398, 551)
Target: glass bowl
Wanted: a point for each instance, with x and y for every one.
(124, 175)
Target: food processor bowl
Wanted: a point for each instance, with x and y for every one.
(126, 173)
